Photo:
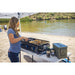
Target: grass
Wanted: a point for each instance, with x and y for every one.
(4, 20)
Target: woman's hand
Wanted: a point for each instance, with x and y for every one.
(26, 39)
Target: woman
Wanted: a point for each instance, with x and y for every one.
(14, 39)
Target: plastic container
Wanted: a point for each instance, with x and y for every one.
(52, 52)
(60, 50)
(48, 53)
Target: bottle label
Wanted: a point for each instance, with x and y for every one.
(48, 51)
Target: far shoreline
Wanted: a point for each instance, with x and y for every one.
(49, 34)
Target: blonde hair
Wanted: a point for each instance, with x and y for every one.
(13, 24)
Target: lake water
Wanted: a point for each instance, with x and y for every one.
(54, 27)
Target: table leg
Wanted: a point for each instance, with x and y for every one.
(32, 58)
(20, 57)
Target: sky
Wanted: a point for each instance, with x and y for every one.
(9, 15)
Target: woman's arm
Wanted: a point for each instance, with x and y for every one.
(15, 40)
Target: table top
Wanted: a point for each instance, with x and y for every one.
(50, 59)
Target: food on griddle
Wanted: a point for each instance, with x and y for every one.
(38, 42)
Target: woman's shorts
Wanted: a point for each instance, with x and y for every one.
(14, 57)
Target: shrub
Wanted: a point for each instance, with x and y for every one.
(26, 19)
(39, 18)
(73, 17)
